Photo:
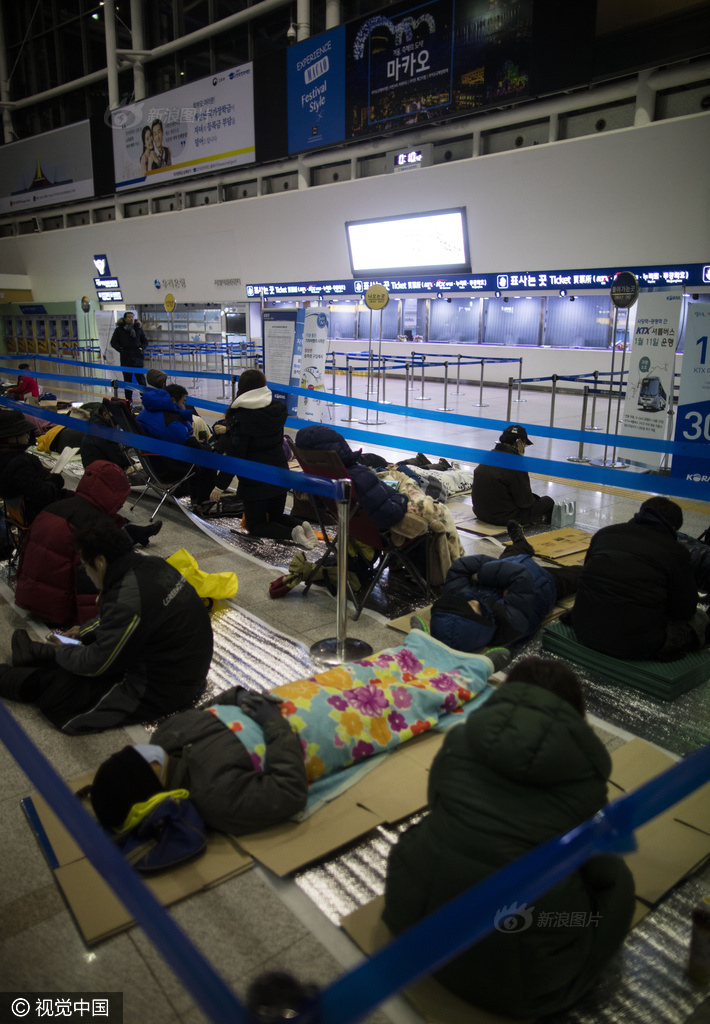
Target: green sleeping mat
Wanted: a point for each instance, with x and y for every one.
(663, 680)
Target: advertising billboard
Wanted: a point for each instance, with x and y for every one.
(201, 127)
(55, 167)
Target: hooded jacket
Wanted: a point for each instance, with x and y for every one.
(636, 578)
(50, 583)
(255, 432)
(162, 418)
(23, 475)
(522, 769)
(515, 595)
(129, 342)
(384, 505)
(499, 493)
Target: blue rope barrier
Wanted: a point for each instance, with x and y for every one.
(470, 917)
(190, 966)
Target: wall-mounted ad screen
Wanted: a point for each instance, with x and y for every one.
(198, 128)
(435, 242)
(55, 167)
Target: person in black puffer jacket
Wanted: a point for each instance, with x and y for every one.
(384, 505)
(636, 596)
(22, 475)
(522, 769)
(255, 431)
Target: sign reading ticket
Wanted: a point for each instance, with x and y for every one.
(188, 131)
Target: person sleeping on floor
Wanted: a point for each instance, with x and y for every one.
(248, 759)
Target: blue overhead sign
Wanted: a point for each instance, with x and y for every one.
(688, 275)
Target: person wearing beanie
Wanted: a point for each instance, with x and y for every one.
(255, 431)
(129, 340)
(522, 769)
(22, 475)
(145, 655)
(498, 601)
(637, 596)
(50, 582)
(156, 379)
(500, 494)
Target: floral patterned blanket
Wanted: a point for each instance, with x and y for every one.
(353, 711)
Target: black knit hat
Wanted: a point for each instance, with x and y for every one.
(515, 432)
(123, 780)
(13, 423)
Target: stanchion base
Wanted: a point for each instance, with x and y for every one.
(609, 463)
(326, 651)
(593, 428)
(374, 423)
(479, 405)
(444, 408)
(422, 398)
(574, 458)
(520, 400)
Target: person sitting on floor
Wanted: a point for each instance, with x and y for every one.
(165, 416)
(22, 475)
(637, 596)
(255, 432)
(26, 389)
(247, 759)
(96, 448)
(145, 655)
(50, 582)
(522, 769)
(500, 494)
(500, 601)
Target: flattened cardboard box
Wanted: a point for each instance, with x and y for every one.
(97, 911)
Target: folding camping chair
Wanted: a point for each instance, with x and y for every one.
(160, 481)
(361, 530)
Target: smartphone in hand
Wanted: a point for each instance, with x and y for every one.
(66, 639)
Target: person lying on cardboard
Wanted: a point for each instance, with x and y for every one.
(247, 760)
(145, 655)
(522, 769)
(499, 601)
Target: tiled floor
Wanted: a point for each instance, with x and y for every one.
(254, 921)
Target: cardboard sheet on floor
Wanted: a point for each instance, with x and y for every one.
(394, 790)
(663, 680)
(97, 912)
(673, 844)
(479, 527)
(561, 543)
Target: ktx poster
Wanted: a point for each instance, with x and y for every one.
(313, 327)
(692, 427)
(649, 385)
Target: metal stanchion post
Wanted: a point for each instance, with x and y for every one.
(458, 374)
(590, 426)
(580, 457)
(520, 384)
(414, 359)
(611, 463)
(421, 397)
(663, 465)
(445, 407)
(234, 387)
(339, 649)
(349, 392)
(552, 403)
(510, 399)
(480, 404)
(222, 371)
(406, 385)
(114, 385)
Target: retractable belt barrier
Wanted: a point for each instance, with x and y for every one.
(587, 473)
(420, 950)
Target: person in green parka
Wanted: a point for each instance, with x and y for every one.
(523, 769)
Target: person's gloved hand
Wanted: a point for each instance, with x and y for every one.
(260, 708)
(216, 493)
(219, 428)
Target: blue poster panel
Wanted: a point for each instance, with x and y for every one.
(420, 62)
(692, 428)
(316, 91)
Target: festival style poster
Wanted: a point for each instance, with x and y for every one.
(314, 324)
(651, 366)
(692, 425)
(205, 126)
(316, 91)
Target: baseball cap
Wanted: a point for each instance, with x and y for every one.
(515, 432)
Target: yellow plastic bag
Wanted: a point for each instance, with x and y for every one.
(211, 586)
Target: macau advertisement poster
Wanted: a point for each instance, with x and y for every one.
(425, 62)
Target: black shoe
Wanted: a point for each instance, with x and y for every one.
(19, 683)
(142, 534)
(500, 656)
(30, 653)
(515, 531)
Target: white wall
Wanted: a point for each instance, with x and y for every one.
(638, 195)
